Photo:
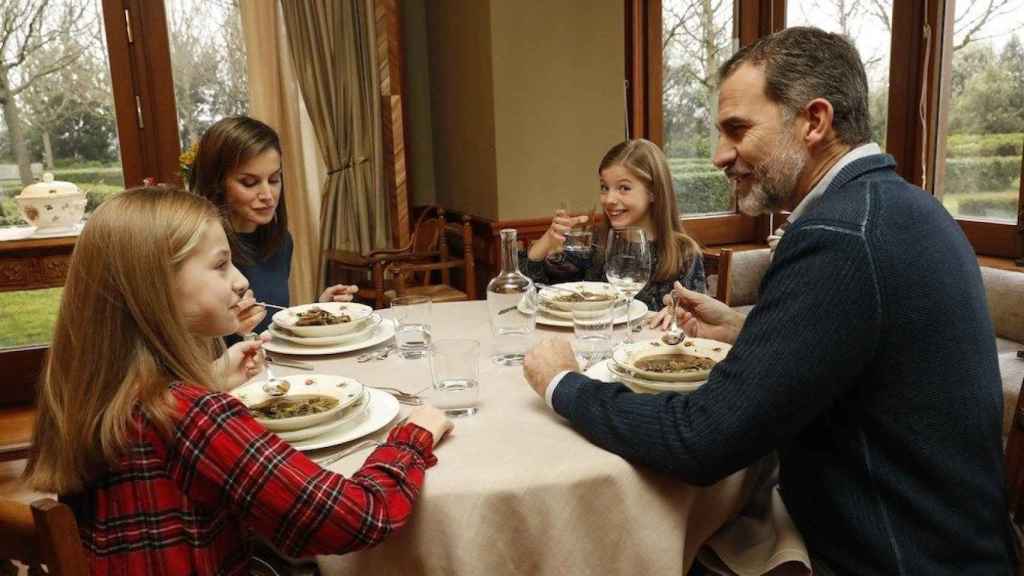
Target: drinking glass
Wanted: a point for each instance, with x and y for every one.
(627, 266)
(412, 325)
(455, 366)
(577, 240)
(592, 326)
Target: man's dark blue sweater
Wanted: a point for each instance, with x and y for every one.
(869, 364)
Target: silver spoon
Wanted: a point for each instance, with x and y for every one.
(273, 387)
(675, 334)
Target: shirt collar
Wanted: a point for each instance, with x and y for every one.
(864, 150)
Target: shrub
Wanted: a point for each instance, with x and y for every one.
(973, 145)
(991, 174)
(1002, 208)
(108, 176)
(702, 192)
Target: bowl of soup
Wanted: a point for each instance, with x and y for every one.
(323, 319)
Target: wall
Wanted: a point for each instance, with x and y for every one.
(462, 106)
(559, 100)
(419, 128)
(526, 96)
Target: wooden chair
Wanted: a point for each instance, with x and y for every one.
(717, 264)
(44, 532)
(370, 271)
(420, 274)
(17, 410)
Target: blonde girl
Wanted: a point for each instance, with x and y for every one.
(636, 190)
(165, 474)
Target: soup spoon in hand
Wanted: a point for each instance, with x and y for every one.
(675, 334)
(273, 387)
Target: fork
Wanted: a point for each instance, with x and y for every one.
(327, 460)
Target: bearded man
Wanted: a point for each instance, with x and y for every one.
(869, 363)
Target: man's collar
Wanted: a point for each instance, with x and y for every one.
(857, 153)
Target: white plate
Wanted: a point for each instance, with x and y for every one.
(602, 371)
(549, 295)
(626, 354)
(637, 310)
(347, 390)
(356, 413)
(356, 312)
(371, 323)
(383, 333)
(383, 409)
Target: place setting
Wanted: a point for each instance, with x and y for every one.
(557, 303)
(314, 411)
(326, 328)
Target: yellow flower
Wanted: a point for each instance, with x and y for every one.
(185, 161)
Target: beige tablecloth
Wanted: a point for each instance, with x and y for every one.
(517, 491)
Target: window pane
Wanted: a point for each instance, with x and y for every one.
(208, 64)
(62, 119)
(697, 36)
(978, 173)
(27, 317)
(869, 26)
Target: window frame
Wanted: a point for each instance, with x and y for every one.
(138, 52)
(916, 145)
(752, 19)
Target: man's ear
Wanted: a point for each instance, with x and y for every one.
(818, 129)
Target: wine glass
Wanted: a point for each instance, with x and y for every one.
(627, 265)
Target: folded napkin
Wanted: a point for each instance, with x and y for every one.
(762, 538)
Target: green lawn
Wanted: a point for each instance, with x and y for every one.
(28, 317)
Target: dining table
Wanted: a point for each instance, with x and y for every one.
(517, 491)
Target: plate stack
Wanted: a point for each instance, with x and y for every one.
(653, 366)
(319, 410)
(556, 304)
(326, 328)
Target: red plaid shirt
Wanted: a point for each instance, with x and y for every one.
(183, 506)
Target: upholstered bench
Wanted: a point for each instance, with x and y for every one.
(1005, 292)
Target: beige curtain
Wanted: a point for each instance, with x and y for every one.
(332, 47)
(274, 98)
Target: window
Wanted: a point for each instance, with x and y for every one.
(978, 167)
(869, 26)
(697, 36)
(207, 63)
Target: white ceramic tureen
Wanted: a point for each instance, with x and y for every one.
(51, 203)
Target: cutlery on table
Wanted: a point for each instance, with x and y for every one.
(376, 354)
(288, 363)
(358, 446)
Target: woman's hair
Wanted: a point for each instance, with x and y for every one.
(120, 337)
(644, 160)
(224, 147)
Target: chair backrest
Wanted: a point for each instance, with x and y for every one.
(716, 271)
(44, 532)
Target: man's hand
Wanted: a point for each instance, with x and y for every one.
(547, 358)
(702, 316)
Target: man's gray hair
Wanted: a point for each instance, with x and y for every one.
(803, 63)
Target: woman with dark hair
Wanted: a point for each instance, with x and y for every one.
(238, 167)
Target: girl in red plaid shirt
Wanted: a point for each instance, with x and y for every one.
(166, 474)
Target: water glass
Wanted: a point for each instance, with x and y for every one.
(412, 325)
(592, 326)
(455, 366)
(577, 240)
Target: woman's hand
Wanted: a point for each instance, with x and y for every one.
(554, 237)
(702, 316)
(339, 293)
(432, 420)
(249, 313)
(240, 362)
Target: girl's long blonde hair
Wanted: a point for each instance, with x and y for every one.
(642, 158)
(120, 338)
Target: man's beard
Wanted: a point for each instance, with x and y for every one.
(774, 179)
